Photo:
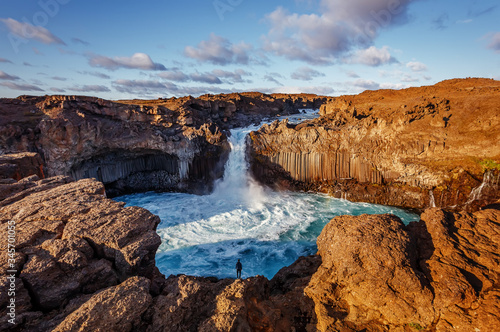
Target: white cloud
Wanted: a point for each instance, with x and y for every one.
(90, 88)
(136, 61)
(205, 78)
(394, 86)
(21, 87)
(416, 66)
(372, 56)
(306, 74)
(80, 41)
(494, 42)
(150, 88)
(136, 87)
(5, 60)
(273, 77)
(5, 76)
(95, 73)
(216, 76)
(319, 90)
(28, 31)
(338, 27)
(366, 84)
(232, 76)
(174, 75)
(352, 74)
(219, 51)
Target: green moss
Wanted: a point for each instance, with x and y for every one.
(489, 164)
(416, 326)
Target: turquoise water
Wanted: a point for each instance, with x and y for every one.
(267, 230)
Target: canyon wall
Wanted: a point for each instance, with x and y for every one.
(175, 144)
(415, 148)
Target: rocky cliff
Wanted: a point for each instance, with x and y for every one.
(131, 146)
(83, 262)
(419, 147)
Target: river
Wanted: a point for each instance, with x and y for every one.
(266, 229)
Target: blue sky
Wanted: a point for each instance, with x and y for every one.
(158, 48)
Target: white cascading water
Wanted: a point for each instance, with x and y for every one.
(267, 230)
(489, 180)
(432, 200)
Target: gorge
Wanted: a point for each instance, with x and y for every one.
(83, 260)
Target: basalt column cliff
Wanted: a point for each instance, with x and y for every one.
(420, 147)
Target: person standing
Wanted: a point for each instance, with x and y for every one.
(239, 267)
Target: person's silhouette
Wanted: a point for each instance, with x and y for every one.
(239, 267)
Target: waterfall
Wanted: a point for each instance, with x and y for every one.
(489, 181)
(432, 201)
(204, 235)
(237, 185)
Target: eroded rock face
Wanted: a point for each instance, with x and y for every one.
(85, 262)
(20, 165)
(117, 308)
(132, 146)
(417, 148)
(438, 274)
(71, 242)
(369, 274)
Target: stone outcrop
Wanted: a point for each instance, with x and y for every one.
(133, 146)
(71, 242)
(20, 165)
(237, 109)
(85, 263)
(439, 274)
(417, 148)
(129, 148)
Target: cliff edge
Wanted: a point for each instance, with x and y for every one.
(417, 148)
(176, 144)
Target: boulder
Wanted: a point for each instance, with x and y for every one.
(114, 309)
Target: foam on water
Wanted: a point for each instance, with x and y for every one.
(267, 230)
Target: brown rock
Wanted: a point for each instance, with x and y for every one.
(368, 273)
(20, 165)
(184, 303)
(117, 308)
(242, 306)
(462, 261)
(131, 146)
(71, 241)
(417, 147)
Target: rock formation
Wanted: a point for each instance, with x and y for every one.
(70, 242)
(85, 263)
(131, 146)
(417, 148)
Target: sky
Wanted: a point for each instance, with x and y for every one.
(159, 49)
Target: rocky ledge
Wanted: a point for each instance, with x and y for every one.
(131, 146)
(416, 148)
(83, 262)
